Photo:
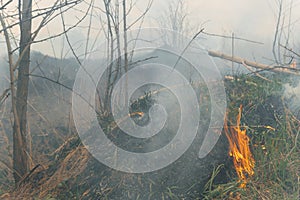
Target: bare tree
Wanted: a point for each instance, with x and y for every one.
(175, 18)
(117, 26)
(20, 157)
(19, 81)
(282, 34)
(19, 96)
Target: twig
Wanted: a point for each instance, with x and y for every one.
(4, 96)
(187, 46)
(276, 31)
(230, 37)
(256, 73)
(29, 173)
(6, 4)
(295, 144)
(66, 142)
(46, 11)
(143, 60)
(68, 88)
(290, 50)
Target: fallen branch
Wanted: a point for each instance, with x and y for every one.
(239, 60)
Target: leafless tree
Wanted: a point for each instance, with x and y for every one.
(282, 50)
(175, 18)
(20, 157)
(19, 81)
(116, 27)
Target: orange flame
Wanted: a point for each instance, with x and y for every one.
(239, 149)
(140, 114)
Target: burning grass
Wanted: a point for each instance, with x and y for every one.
(273, 132)
(239, 150)
(268, 129)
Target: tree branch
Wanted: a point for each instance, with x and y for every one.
(6, 4)
(239, 60)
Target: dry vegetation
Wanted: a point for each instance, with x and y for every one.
(69, 172)
(274, 132)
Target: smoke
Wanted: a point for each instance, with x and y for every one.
(292, 96)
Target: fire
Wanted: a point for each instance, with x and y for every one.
(134, 114)
(239, 149)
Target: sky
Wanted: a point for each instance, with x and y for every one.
(250, 19)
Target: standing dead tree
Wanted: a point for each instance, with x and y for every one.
(19, 96)
(19, 70)
(175, 18)
(283, 34)
(117, 25)
(20, 157)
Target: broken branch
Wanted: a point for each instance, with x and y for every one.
(239, 60)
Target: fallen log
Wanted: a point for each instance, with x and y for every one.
(278, 68)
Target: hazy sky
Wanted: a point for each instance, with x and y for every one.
(251, 19)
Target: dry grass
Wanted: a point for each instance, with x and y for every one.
(276, 150)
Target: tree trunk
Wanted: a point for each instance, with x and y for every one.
(20, 157)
